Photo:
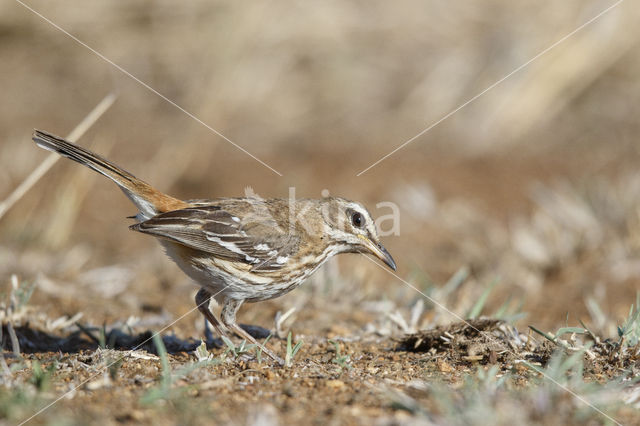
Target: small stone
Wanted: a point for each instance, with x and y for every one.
(335, 384)
(136, 415)
(444, 367)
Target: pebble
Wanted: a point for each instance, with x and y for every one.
(444, 367)
(335, 384)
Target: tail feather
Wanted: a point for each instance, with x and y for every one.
(149, 201)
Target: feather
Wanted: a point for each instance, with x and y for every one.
(211, 229)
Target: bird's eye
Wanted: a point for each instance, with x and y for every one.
(357, 220)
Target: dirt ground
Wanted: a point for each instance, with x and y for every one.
(518, 251)
(349, 381)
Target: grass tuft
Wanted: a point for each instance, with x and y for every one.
(292, 350)
(166, 389)
(41, 377)
(259, 349)
(341, 360)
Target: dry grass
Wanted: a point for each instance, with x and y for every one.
(520, 207)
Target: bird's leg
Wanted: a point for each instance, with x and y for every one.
(228, 318)
(202, 301)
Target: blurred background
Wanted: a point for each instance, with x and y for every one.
(530, 191)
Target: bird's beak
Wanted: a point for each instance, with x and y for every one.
(378, 251)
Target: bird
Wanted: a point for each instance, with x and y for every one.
(239, 250)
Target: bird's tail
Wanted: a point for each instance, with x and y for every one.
(148, 200)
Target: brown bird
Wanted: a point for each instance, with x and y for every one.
(239, 249)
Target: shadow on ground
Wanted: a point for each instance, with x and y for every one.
(31, 340)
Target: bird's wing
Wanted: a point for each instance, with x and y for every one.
(255, 240)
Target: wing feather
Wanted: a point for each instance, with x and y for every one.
(257, 240)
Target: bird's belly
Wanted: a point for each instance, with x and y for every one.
(281, 287)
(193, 266)
(224, 279)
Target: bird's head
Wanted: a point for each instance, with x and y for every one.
(350, 225)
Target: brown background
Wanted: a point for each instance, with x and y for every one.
(534, 185)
